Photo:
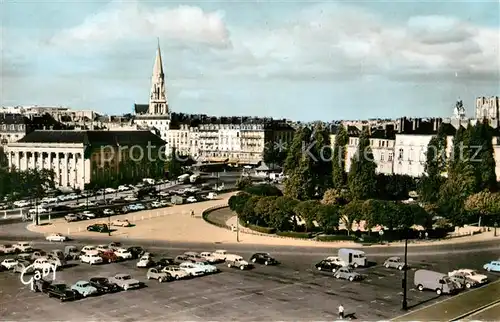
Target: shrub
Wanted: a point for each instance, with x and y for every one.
(294, 234)
(265, 190)
(260, 229)
(334, 237)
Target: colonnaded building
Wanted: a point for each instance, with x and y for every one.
(80, 158)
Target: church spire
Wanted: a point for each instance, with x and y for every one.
(158, 99)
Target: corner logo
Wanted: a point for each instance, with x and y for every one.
(38, 274)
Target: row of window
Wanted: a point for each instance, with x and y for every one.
(13, 127)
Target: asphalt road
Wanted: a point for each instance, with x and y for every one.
(293, 290)
(228, 178)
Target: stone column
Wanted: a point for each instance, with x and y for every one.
(74, 172)
(26, 161)
(65, 168)
(58, 169)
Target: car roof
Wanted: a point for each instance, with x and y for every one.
(122, 275)
(82, 281)
(394, 257)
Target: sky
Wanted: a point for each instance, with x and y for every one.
(300, 60)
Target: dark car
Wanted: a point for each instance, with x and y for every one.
(165, 261)
(64, 294)
(53, 287)
(181, 259)
(136, 251)
(103, 285)
(100, 228)
(328, 266)
(43, 286)
(263, 258)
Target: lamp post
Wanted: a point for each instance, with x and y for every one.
(495, 225)
(404, 304)
(237, 228)
(381, 233)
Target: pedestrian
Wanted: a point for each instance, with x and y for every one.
(192, 213)
(426, 235)
(341, 311)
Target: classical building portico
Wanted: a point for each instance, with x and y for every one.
(65, 159)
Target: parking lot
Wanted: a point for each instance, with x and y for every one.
(293, 290)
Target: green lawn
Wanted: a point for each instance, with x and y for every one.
(220, 216)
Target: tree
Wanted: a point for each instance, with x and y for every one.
(395, 187)
(237, 202)
(435, 166)
(322, 157)
(306, 210)
(362, 180)
(327, 217)
(335, 197)
(351, 213)
(263, 190)
(282, 214)
(275, 153)
(338, 159)
(300, 183)
(244, 183)
(485, 166)
(264, 210)
(483, 203)
(174, 167)
(248, 214)
(457, 151)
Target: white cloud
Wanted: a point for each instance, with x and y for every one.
(340, 40)
(130, 20)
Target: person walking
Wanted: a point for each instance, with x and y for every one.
(192, 213)
(341, 311)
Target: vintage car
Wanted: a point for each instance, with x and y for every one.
(103, 285)
(125, 281)
(84, 288)
(263, 258)
(159, 275)
(176, 272)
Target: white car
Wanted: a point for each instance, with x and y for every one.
(9, 263)
(470, 274)
(21, 203)
(23, 247)
(123, 188)
(192, 269)
(336, 260)
(121, 223)
(191, 199)
(108, 212)
(88, 214)
(156, 204)
(91, 258)
(209, 257)
(130, 198)
(123, 253)
(176, 272)
(144, 261)
(103, 248)
(44, 263)
(110, 190)
(56, 238)
(220, 254)
(206, 267)
(7, 249)
(88, 248)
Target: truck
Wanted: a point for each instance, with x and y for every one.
(184, 178)
(194, 178)
(434, 281)
(176, 200)
(353, 257)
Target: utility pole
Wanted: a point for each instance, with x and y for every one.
(237, 228)
(404, 304)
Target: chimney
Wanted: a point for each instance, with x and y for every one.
(414, 124)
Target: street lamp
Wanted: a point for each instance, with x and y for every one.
(495, 225)
(381, 233)
(237, 228)
(404, 304)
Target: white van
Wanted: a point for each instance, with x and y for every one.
(353, 257)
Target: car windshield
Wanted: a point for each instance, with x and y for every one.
(84, 284)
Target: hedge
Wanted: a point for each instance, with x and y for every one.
(335, 237)
(204, 215)
(260, 229)
(294, 234)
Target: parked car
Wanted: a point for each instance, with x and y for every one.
(165, 261)
(145, 262)
(88, 248)
(91, 258)
(136, 251)
(493, 266)
(102, 248)
(44, 264)
(156, 204)
(194, 257)
(121, 223)
(123, 253)
(23, 247)
(109, 257)
(88, 214)
(337, 260)
(326, 265)
(125, 281)
(209, 257)
(100, 228)
(220, 254)
(238, 262)
(191, 199)
(9, 263)
(42, 285)
(469, 274)
(71, 252)
(71, 217)
(207, 267)
(59, 286)
(191, 269)
(176, 272)
(84, 288)
(21, 267)
(394, 262)
(56, 237)
(24, 257)
(103, 285)
(64, 295)
(38, 254)
(7, 249)
(179, 259)
(159, 275)
(347, 273)
(263, 258)
(115, 245)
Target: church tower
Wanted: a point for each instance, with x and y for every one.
(158, 104)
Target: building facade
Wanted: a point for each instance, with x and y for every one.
(488, 108)
(80, 158)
